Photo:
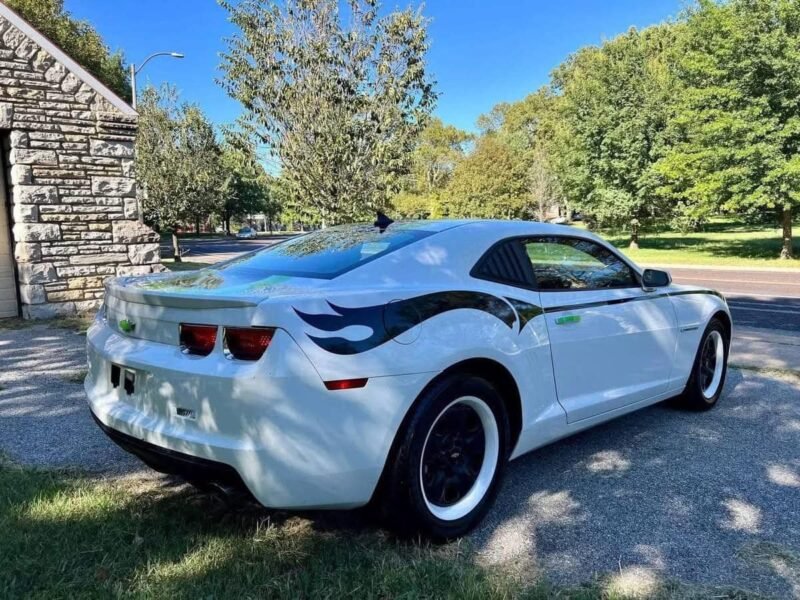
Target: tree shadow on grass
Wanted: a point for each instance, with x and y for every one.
(65, 536)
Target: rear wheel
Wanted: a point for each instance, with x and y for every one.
(449, 460)
(709, 370)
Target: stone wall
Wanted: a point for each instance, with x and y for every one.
(73, 190)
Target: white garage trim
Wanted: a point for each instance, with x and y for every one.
(58, 54)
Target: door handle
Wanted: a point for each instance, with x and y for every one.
(568, 319)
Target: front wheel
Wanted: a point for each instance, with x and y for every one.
(450, 459)
(709, 369)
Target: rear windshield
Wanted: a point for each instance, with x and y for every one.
(327, 253)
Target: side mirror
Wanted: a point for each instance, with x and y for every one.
(653, 278)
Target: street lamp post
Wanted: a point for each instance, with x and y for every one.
(134, 72)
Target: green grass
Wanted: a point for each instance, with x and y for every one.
(14, 323)
(724, 242)
(183, 266)
(66, 536)
(77, 323)
(166, 237)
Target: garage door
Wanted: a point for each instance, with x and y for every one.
(8, 288)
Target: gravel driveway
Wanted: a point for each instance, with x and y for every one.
(710, 498)
(44, 419)
(662, 494)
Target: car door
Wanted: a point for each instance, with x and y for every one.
(612, 342)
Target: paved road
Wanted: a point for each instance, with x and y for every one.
(211, 250)
(708, 498)
(763, 299)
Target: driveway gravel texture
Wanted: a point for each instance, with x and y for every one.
(44, 418)
(662, 494)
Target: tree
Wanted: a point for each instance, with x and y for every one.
(531, 129)
(201, 165)
(78, 39)
(410, 205)
(543, 185)
(615, 104)
(490, 182)
(440, 148)
(246, 187)
(438, 151)
(736, 131)
(492, 121)
(510, 173)
(177, 162)
(338, 96)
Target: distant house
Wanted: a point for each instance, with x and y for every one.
(68, 212)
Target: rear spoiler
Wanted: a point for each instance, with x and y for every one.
(157, 298)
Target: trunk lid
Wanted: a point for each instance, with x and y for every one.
(151, 307)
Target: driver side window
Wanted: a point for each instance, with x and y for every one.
(562, 263)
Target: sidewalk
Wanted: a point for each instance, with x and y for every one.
(765, 349)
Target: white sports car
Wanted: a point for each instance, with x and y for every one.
(403, 363)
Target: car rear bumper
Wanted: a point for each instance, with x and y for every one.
(170, 462)
(270, 424)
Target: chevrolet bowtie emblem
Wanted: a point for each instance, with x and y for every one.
(127, 326)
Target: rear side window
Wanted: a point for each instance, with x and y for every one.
(505, 263)
(327, 253)
(561, 263)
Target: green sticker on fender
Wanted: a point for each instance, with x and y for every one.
(566, 320)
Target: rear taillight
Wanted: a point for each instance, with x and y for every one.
(247, 343)
(346, 384)
(198, 339)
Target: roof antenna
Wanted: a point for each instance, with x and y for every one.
(382, 222)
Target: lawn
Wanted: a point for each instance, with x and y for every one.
(66, 536)
(724, 242)
(77, 323)
(183, 266)
(166, 236)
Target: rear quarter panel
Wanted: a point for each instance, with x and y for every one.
(429, 346)
(435, 344)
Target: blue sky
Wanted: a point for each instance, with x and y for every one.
(482, 51)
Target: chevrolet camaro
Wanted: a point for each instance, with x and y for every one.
(401, 364)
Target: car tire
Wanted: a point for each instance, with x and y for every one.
(448, 459)
(709, 369)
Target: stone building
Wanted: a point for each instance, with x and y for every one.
(68, 211)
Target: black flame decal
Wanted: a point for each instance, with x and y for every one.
(526, 311)
(387, 321)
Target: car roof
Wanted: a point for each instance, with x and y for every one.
(452, 247)
(502, 227)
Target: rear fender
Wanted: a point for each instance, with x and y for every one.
(382, 334)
